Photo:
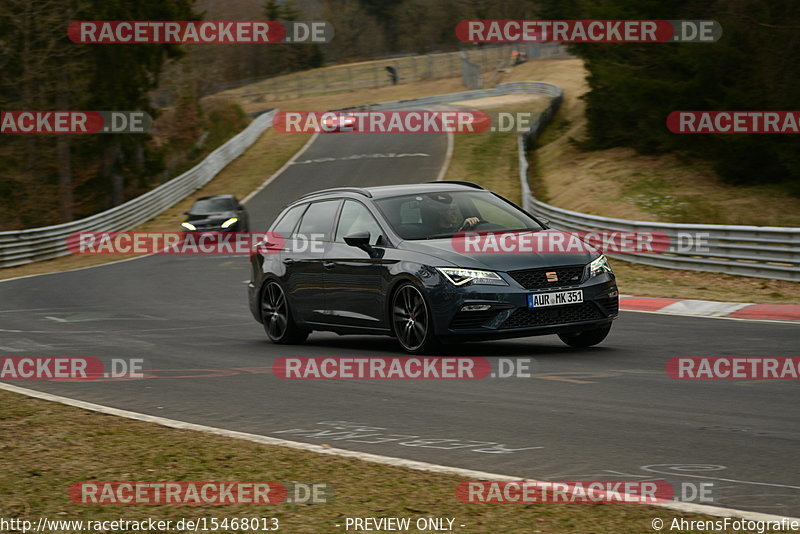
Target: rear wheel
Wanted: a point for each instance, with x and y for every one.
(411, 320)
(587, 338)
(277, 318)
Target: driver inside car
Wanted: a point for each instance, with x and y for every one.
(449, 217)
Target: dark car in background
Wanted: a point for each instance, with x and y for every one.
(219, 213)
(383, 262)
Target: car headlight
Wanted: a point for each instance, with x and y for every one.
(188, 226)
(460, 277)
(599, 266)
(229, 222)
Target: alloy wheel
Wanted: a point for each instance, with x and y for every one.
(274, 311)
(410, 317)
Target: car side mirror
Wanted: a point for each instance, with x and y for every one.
(361, 240)
(358, 239)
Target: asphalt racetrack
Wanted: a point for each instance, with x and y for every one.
(609, 412)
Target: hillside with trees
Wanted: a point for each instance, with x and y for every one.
(754, 66)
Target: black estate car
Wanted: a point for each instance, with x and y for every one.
(384, 260)
(219, 213)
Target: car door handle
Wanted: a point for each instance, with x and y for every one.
(329, 264)
(288, 261)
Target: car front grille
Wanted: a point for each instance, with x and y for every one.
(472, 319)
(569, 275)
(573, 313)
(610, 305)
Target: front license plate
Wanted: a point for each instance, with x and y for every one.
(559, 298)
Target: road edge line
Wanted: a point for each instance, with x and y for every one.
(748, 319)
(447, 157)
(285, 166)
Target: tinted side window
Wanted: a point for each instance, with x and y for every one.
(356, 218)
(317, 221)
(288, 222)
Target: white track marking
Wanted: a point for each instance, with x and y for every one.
(283, 168)
(704, 308)
(747, 319)
(367, 457)
(447, 157)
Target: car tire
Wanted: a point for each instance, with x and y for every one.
(586, 338)
(277, 317)
(412, 322)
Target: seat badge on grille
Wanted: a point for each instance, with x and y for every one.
(552, 276)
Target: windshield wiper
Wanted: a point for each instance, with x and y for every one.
(483, 232)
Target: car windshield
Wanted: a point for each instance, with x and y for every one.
(440, 215)
(213, 205)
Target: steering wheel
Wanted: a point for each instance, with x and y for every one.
(476, 225)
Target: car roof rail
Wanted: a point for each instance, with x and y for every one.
(358, 190)
(458, 182)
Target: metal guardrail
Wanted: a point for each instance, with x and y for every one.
(759, 251)
(502, 89)
(19, 247)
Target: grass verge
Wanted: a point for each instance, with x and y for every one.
(55, 446)
(490, 158)
(619, 182)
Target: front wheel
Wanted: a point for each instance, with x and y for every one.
(277, 318)
(411, 320)
(587, 338)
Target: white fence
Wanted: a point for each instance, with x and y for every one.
(19, 247)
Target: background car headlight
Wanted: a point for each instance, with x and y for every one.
(188, 226)
(599, 266)
(229, 222)
(461, 277)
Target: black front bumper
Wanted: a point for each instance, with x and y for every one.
(509, 315)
